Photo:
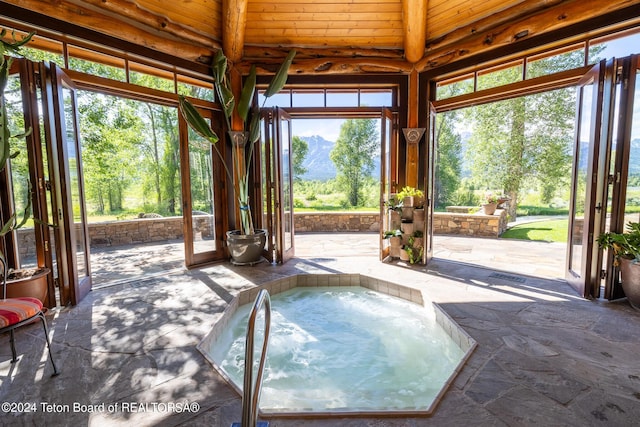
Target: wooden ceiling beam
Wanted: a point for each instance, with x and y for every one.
(234, 18)
(414, 23)
(561, 15)
(333, 66)
(128, 11)
(267, 53)
(505, 16)
(81, 17)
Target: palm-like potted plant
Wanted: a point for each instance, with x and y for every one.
(626, 250)
(245, 244)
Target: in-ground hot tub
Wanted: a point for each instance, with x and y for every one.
(343, 344)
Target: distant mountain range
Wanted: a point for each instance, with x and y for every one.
(320, 167)
(318, 163)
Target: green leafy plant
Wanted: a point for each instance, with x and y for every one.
(393, 204)
(12, 47)
(414, 254)
(410, 192)
(392, 233)
(250, 125)
(490, 198)
(624, 245)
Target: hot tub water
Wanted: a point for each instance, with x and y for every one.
(344, 348)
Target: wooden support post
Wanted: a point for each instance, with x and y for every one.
(413, 149)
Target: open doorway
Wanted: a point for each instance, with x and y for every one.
(336, 184)
(518, 153)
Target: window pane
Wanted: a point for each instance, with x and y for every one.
(458, 87)
(555, 63)
(195, 88)
(308, 98)
(375, 98)
(617, 46)
(96, 64)
(499, 77)
(281, 99)
(342, 98)
(150, 77)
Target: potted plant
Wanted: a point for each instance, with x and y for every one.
(394, 206)
(626, 249)
(412, 252)
(31, 282)
(395, 241)
(418, 239)
(411, 197)
(490, 204)
(246, 243)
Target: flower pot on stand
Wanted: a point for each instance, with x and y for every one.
(489, 208)
(394, 219)
(404, 255)
(395, 246)
(630, 275)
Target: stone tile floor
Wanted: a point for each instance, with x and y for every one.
(544, 355)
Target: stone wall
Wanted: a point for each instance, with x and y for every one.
(477, 224)
(142, 230)
(116, 233)
(139, 230)
(337, 221)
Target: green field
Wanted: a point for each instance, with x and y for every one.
(554, 230)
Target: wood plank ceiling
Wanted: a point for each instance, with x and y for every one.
(331, 36)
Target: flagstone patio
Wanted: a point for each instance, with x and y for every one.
(127, 352)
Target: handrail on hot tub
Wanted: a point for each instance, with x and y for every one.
(251, 393)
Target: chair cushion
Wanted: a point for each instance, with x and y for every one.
(14, 310)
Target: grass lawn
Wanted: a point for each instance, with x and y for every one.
(554, 230)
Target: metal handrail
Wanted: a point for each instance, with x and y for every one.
(251, 392)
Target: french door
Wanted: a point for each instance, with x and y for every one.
(70, 218)
(388, 172)
(429, 185)
(623, 178)
(275, 168)
(24, 181)
(202, 195)
(54, 184)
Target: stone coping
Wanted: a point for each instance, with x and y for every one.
(248, 296)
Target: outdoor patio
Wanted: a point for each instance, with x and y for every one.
(544, 355)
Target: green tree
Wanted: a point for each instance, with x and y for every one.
(300, 149)
(111, 131)
(353, 156)
(525, 141)
(448, 164)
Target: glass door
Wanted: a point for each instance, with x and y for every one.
(276, 192)
(203, 195)
(265, 199)
(429, 186)
(625, 174)
(72, 243)
(386, 180)
(286, 229)
(23, 189)
(588, 205)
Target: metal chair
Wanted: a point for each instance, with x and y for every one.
(16, 312)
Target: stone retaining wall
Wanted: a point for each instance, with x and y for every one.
(337, 221)
(142, 230)
(477, 224)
